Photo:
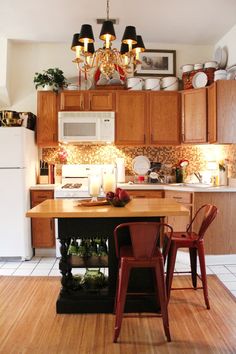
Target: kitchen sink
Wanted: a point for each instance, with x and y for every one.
(197, 185)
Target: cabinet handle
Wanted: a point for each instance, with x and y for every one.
(81, 104)
(144, 138)
(139, 196)
(179, 198)
(51, 224)
(151, 138)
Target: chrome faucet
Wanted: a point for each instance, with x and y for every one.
(199, 176)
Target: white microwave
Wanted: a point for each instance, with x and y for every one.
(87, 127)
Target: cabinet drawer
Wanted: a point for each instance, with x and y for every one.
(145, 193)
(38, 196)
(180, 197)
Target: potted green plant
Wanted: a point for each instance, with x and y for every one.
(51, 79)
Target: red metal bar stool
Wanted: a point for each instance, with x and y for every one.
(143, 252)
(195, 243)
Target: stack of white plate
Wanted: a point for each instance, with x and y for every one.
(220, 75)
(231, 72)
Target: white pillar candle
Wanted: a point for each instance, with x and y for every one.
(94, 186)
(109, 183)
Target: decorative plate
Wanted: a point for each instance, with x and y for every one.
(141, 165)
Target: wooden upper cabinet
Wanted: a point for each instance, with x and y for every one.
(131, 117)
(87, 101)
(164, 113)
(226, 111)
(101, 101)
(72, 101)
(194, 116)
(47, 120)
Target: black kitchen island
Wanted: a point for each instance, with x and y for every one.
(75, 221)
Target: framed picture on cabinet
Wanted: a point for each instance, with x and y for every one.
(158, 62)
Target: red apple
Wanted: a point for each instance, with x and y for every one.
(110, 196)
(118, 190)
(124, 196)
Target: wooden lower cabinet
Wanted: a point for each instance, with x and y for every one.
(179, 223)
(220, 238)
(43, 230)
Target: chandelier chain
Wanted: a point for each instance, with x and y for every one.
(108, 8)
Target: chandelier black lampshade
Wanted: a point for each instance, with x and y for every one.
(86, 32)
(76, 42)
(139, 45)
(124, 48)
(129, 35)
(107, 28)
(91, 48)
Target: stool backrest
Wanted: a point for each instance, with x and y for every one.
(144, 237)
(207, 213)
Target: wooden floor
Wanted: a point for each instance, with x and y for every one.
(29, 323)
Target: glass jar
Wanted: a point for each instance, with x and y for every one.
(179, 175)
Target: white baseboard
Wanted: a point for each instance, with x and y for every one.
(183, 257)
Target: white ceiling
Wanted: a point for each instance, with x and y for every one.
(158, 21)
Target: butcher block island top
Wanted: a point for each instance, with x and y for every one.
(70, 208)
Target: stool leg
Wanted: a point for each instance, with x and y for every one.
(117, 283)
(170, 268)
(160, 280)
(193, 263)
(201, 255)
(124, 272)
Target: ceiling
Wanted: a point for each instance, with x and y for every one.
(158, 21)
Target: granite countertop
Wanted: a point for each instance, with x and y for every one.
(153, 186)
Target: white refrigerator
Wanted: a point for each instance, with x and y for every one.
(18, 164)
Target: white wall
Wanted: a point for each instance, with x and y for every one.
(4, 54)
(228, 42)
(27, 58)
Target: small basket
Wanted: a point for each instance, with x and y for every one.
(93, 261)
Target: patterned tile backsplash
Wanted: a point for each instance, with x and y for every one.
(198, 155)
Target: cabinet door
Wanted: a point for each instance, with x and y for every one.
(43, 233)
(131, 127)
(73, 101)
(43, 229)
(47, 120)
(194, 116)
(101, 101)
(220, 237)
(179, 223)
(212, 114)
(226, 111)
(164, 112)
